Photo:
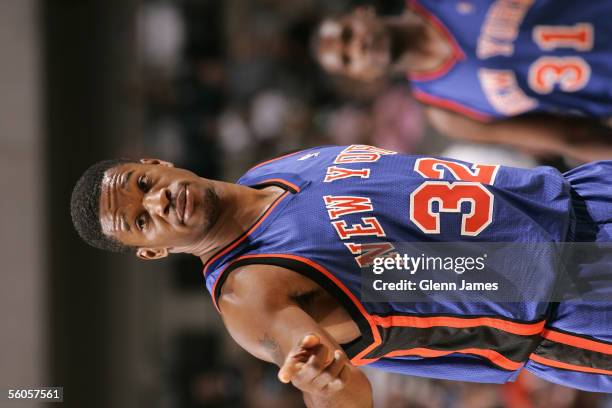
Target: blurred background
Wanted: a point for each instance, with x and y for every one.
(214, 86)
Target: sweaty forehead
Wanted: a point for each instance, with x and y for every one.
(110, 179)
(113, 179)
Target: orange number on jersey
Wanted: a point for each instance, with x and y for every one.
(434, 168)
(578, 37)
(449, 196)
(570, 73)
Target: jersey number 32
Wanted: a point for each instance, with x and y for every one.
(450, 195)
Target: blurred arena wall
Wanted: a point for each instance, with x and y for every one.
(88, 62)
(22, 297)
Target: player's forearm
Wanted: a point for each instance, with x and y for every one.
(589, 152)
(355, 393)
(580, 138)
(528, 132)
(587, 140)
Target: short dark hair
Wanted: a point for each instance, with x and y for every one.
(85, 207)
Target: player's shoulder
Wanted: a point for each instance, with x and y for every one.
(295, 155)
(299, 162)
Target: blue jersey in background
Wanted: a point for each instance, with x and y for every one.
(519, 56)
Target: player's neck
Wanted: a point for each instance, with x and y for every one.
(416, 45)
(240, 208)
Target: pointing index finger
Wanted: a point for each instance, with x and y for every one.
(297, 357)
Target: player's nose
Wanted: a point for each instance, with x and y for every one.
(157, 201)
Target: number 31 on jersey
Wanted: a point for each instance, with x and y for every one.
(450, 195)
(571, 73)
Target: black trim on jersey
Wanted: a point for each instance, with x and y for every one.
(564, 353)
(276, 183)
(353, 348)
(514, 347)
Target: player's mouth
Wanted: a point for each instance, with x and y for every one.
(181, 199)
(188, 204)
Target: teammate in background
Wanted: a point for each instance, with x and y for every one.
(533, 74)
(283, 250)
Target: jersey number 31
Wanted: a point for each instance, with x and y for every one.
(468, 188)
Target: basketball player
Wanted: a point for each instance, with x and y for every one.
(478, 63)
(283, 249)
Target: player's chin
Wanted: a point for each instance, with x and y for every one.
(209, 210)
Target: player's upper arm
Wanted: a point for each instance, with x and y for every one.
(258, 308)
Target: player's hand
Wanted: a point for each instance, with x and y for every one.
(312, 366)
(318, 369)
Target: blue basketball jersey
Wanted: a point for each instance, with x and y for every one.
(518, 56)
(345, 205)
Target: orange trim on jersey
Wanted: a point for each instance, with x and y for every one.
(443, 103)
(567, 366)
(490, 355)
(575, 341)
(275, 159)
(293, 186)
(357, 360)
(523, 329)
(242, 238)
(452, 59)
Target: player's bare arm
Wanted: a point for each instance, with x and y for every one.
(578, 138)
(265, 309)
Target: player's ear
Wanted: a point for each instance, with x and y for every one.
(157, 161)
(149, 254)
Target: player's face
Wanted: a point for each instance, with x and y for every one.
(357, 45)
(155, 205)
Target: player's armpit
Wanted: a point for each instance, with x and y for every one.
(258, 309)
(582, 139)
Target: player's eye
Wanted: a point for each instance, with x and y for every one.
(142, 221)
(143, 183)
(346, 35)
